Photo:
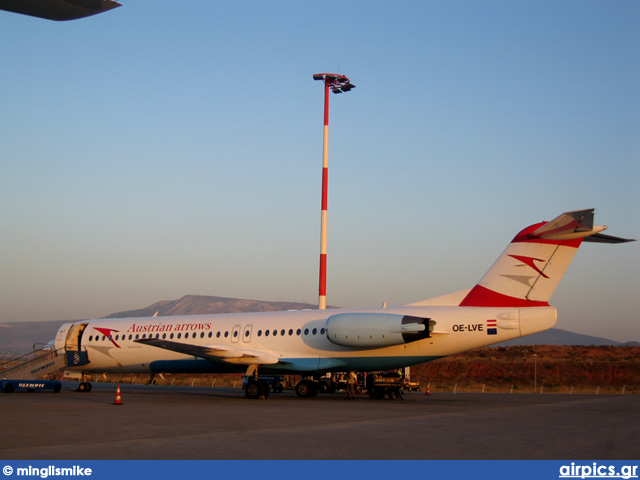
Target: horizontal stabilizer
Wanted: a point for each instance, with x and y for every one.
(602, 238)
(569, 226)
(58, 9)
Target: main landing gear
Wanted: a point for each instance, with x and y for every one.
(307, 388)
(256, 388)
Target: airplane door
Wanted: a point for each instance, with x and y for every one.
(235, 334)
(74, 337)
(246, 334)
(76, 355)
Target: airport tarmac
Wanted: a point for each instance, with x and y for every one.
(162, 422)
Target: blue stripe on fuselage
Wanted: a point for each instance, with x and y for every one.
(291, 365)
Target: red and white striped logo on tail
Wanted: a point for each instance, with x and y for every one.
(526, 274)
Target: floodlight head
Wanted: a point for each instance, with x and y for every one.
(318, 76)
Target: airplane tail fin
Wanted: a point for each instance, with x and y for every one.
(529, 270)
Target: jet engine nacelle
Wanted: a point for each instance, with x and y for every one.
(375, 329)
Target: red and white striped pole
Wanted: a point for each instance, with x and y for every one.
(338, 84)
(322, 298)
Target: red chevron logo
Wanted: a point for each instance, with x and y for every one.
(529, 261)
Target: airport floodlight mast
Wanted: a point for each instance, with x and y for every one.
(337, 84)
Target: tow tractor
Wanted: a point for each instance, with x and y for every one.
(381, 384)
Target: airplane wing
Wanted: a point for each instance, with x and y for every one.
(216, 353)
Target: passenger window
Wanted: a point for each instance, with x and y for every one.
(202, 335)
(210, 334)
(315, 330)
(259, 333)
(171, 336)
(306, 331)
(275, 333)
(298, 332)
(226, 334)
(322, 331)
(218, 335)
(290, 331)
(179, 335)
(266, 333)
(282, 332)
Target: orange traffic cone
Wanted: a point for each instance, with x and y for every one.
(428, 392)
(118, 398)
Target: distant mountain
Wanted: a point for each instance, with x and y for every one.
(557, 336)
(18, 338)
(202, 304)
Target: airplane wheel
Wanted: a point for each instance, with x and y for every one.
(266, 388)
(84, 387)
(313, 389)
(303, 389)
(254, 389)
(306, 389)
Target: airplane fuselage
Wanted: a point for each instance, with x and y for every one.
(294, 341)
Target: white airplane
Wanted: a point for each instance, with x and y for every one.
(58, 9)
(510, 301)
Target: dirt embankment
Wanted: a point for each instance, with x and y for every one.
(554, 369)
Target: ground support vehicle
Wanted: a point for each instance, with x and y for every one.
(9, 386)
(384, 384)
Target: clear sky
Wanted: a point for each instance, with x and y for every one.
(168, 148)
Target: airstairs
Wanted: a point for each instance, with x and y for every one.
(39, 363)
